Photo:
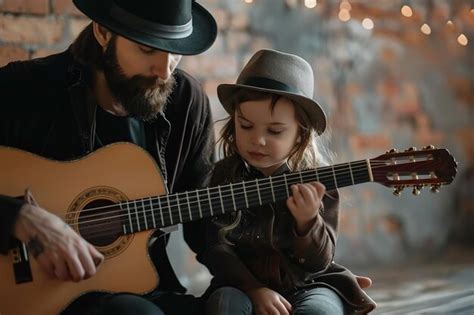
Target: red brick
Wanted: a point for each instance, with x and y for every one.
(30, 30)
(25, 6)
(10, 53)
(65, 7)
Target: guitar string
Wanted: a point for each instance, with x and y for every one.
(144, 215)
(212, 191)
(307, 174)
(147, 213)
(304, 173)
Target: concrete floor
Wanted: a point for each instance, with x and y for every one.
(440, 285)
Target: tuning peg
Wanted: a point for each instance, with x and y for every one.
(398, 191)
(429, 147)
(392, 151)
(416, 190)
(410, 149)
(435, 188)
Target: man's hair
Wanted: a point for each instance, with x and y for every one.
(86, 50)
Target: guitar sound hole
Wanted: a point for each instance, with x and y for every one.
(100, 222)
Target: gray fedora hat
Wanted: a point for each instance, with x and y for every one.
(279, 73)
(177, 26)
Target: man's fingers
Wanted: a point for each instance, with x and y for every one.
(61, 271)
(75, 269)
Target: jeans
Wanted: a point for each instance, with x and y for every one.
(314, 301)
(156, 303)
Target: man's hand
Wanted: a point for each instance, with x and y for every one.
(269, 302)
(59, 250)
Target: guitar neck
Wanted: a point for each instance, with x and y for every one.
(156, 212)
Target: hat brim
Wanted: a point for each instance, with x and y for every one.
(203, 35)
(315, 112)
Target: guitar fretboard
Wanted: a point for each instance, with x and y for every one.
(161, 211)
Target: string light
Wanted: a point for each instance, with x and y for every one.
(425, 29)
(368, 24)
(248, 1)
(462, 40)
(345, 5)
(310, 3)
(344, 15)
(406, 11)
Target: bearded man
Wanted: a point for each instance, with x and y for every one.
(117, 82)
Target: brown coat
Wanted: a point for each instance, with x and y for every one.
(267, 251)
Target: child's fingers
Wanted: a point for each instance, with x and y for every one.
(298, 198)
(320, 188)
(286, 303)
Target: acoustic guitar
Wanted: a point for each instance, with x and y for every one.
(115, 197)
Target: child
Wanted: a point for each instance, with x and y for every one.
(276, 258)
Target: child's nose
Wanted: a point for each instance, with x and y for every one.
(259, 139)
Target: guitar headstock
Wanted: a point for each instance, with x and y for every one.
(414, 168)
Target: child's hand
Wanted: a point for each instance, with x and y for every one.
(304, 204)
(268, 302)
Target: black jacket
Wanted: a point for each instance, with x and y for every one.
(46, 108)
(267, 252)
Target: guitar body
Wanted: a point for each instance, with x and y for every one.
(112, 174)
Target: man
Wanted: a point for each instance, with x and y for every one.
(117, 82)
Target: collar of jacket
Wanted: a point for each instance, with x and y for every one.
(255, 173)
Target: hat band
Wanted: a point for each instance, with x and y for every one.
(158, 30)
(266, 83)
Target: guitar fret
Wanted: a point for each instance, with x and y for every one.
(233, 197)
(161, 211)
(129, 217)
(199, 203)
(273, 192)
(210, 203)
(317, 175)
(169, 208)
(352, 175)
(136, 215)
(220, 196)
(245, 195)
(258, 192)
(144, 215)
(189, 207)
(179, 208)
(152, 212)
(334, 175)
(286, 186)
(301, 177)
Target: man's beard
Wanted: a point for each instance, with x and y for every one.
(142, 97)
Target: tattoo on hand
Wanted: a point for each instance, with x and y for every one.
(35, 247)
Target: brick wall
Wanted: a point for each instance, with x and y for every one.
(388, 87)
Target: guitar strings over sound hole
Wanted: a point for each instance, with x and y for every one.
(100, 222)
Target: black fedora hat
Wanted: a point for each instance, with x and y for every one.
(279, 73)
(177, 26)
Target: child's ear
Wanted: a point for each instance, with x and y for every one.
(298, 140)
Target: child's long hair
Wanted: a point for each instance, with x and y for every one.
(309, 152)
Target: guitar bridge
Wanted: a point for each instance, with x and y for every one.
(21, 263)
